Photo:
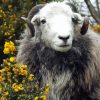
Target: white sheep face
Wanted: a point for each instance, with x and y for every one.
(55, 26)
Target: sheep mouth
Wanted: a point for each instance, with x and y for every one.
(64, 45)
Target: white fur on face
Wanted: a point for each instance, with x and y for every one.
(58, 18)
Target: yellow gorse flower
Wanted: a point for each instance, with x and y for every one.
(43, 97)
(23, 70)
(9, 47)
(3, 98)
(46, 89)
(20, 70)
(6, 51)
(6, 93)
(2, 71)
(36, 98)
(0, 89)
(12, 59)
(7, 33)
(24, 67)
(17, 87)
(2, 78)
(31, 77)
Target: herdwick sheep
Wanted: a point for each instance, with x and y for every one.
(62, 51)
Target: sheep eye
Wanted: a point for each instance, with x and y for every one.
(43, 21)
(75, 20)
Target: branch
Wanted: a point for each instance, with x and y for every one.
(97, 4)
(93, 12)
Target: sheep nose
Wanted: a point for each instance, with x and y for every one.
(64, 38)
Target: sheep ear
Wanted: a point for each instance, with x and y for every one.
(85, 26)
(84, 22)
(29, 27)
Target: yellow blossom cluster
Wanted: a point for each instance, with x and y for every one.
(16, 78)
(7, 23)
(23, 70)
(2, 78)
(41, 98)
(31, 77)
(17, 87)
(46, 89)
(12, 59)
(4, 96)
(20, 70)
(2, 13)
(9, 48)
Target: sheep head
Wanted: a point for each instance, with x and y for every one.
(54, 23)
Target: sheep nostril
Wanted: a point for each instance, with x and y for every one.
(64, 38)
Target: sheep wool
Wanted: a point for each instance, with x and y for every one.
(69, 61)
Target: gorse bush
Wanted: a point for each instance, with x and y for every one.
(8, 23)
(15, 80)
(16, 83)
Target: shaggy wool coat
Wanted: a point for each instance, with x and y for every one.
(74, 75)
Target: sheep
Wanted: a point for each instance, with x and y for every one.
(61, 50)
